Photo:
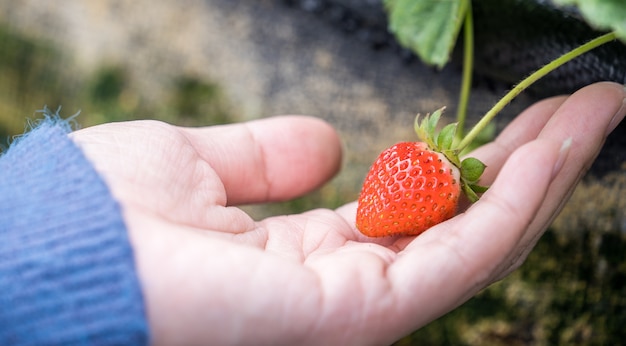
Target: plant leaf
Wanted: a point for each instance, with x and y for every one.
(433, 120)
(472, 169)
(428, 28)
(445, 138)
(479, 188)
(453, 156)
(602, 14)
(471, 195)
(426, 128)
(420, 128)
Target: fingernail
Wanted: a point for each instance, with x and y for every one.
(567, 144)
(617, 118)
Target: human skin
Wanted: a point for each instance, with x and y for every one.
(212, 275)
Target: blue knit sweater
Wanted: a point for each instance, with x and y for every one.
(67, 272)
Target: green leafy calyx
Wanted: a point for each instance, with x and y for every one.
(444, 142)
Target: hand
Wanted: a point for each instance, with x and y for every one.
(212, 275)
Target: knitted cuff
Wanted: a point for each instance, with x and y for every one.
(67, 272)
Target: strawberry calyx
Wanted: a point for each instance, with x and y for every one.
(443, 141)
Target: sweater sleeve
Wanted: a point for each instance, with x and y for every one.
(67, 271)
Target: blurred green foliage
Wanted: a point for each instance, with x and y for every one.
(29, 76)
(108, 85)
(570, 291)
(35, 74)
(193, 97)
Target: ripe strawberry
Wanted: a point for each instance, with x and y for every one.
(408, 189)
(413, 186)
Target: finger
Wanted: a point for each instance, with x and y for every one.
(585, 118)
(524, 128)
(459, 257)
(271, 159)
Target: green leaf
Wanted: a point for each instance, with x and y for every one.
(453, 156)
(446, 137)
(471, 195)
(602, 14)
(426, 128)
(472, 169)
(433, 120)
(420, 128)
(479, 188)
(427, 27)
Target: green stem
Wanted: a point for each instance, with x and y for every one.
(529, 81)
(468, 67)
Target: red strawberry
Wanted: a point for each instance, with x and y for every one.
(408, 189)
(413, 186)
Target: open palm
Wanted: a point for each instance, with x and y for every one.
(212, 275)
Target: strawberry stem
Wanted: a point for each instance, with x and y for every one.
(529, 81)
(468, 66)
